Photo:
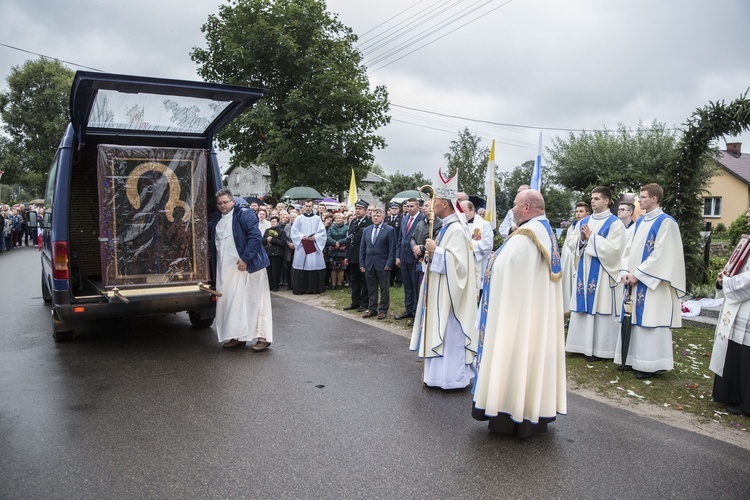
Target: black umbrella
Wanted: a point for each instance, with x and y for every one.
(626, 326)
(478, 201)
(254, 199)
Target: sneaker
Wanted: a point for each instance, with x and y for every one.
(261, 345)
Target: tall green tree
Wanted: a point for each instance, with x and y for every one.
(557, 199)
(467, 158)
(318, 117)
(396, 183)
(622, 160)
(35, 112)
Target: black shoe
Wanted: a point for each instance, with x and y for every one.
(350, 307)
(734, 410)
(643, 375)
(362, 309)
(592, 359)
(404, 316)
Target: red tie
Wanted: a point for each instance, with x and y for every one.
(408, 224)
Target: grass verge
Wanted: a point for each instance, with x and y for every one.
(687, 388)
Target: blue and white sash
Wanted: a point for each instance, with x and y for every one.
(586, 292)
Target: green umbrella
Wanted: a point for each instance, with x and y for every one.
(301, 193)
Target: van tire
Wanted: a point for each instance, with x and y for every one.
(61, 331)
(66, 336)
(46, 295)
(198, 322)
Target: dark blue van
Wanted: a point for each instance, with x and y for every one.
(129, 196)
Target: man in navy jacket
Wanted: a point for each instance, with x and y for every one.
(405, 258)
(238, 262)
(377, 255)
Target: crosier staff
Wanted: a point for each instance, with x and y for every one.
(428, 257)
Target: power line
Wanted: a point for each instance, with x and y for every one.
(443, 36)
(408, 28)
(364, 35)
(50, 57)
(515, 125)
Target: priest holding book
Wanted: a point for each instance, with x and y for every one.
(309, 238)
(730, 357)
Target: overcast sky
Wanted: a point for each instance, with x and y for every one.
(521, 65)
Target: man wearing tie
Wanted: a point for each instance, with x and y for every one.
(377, 254)
(405, 258)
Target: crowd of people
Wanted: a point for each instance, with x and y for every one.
(20, 225)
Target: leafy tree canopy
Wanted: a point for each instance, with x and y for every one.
(35, 112)
(318, 117)
(469, 160)
(622, 160)
(557, 199)
(396, 183)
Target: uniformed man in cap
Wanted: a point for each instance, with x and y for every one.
(356, 277)
(394, 220)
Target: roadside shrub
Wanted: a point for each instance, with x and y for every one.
(720, 229)
(737, 229)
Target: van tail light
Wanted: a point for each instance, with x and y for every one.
(60, 260)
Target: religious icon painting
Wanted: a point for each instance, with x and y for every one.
(152, 215)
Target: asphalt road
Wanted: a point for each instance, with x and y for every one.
(152, 408)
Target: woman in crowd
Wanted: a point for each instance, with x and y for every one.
(263, 223)
(337, 240)
(289, 254)
(274, 239)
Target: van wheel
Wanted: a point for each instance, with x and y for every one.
(63, 336)
(61, 331)
(46, 295)
(198, 322)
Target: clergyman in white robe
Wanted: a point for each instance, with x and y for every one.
(309, 268)
(654, 255)
(595, 303)
(444, 332)
(730, 356)
(243, 311)
(520, 385)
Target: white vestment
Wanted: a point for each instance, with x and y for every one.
(734, 320)
(656, 297)
(446, 311)
(481, 247)
(305, 226)
(595, 303)
(505, 226)
(521, 365)
(569, 262)
(243, 311)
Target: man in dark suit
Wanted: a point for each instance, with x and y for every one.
(405, 258)
(356, 277)
(377, 256)
(393, 219)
